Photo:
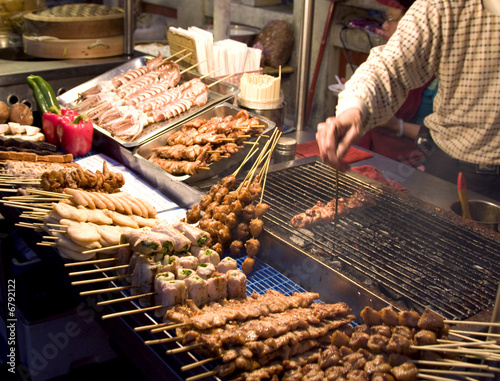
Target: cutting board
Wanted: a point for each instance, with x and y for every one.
(55, 48)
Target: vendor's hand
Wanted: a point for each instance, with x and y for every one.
(348, 132)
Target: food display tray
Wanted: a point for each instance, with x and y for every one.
(150, 170)
(218, 93)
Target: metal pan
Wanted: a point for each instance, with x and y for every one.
(218, 93)
(150, 170)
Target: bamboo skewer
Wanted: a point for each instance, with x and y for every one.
(485, 323)
(180, 59)
(104, 290)
(479, 343)
(436, 378)
(456, 372)
(104, 248)
(478, 353)
(23, 206)
(124, 299)
(173, 55)
(192, 67)
(171, 326)
(32, 217)
(31, 198)
(197, 364)
(454, 363)
(53, 225)
(131, 312)
(26, 225)
(148, 327)
(453, 345)
(95, 261)
(50, 237)
(20, 181)
(51, 244)
(97, 280)
(208, 74)
(220, 80)
(183, 349)
(47, 193)
(93, 271)
(203, 375)
(162, 341)
(473, 333)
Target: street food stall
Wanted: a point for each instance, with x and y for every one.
(180, 238)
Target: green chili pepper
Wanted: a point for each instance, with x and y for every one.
(41, 102)
(48, 91)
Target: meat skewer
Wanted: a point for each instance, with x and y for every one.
(320, 212)
(118, 105)
(253, 306)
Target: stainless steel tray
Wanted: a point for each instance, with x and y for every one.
(150, 170)
(218, 93)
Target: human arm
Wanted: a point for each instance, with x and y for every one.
(381, 84)
(402, 128)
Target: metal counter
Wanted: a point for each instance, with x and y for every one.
(63, 75)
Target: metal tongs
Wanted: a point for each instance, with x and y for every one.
(335, 132)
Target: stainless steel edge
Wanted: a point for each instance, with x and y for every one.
(315, 276)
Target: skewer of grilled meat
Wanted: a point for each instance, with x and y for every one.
(182, 152)
(77, 178)
(283, 347)
(274, 325)
(349, 355)
(325, 213)
(254, 306)
(176, 167)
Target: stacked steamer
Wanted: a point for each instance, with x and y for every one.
(74, 31)
(261, 94)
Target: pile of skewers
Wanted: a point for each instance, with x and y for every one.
(273, 336)
(127, 103)
(201, 142)
(231, 214)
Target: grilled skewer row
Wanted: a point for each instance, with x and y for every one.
(295, 348)
(201, 142)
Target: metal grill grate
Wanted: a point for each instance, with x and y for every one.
(263, 277)
(409, 254)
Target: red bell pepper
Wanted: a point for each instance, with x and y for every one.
(76, 136)
(50, 121)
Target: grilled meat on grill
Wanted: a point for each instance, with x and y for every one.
(321, 213)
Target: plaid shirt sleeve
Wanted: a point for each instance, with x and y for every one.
(456, 40)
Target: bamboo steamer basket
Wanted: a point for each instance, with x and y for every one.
(55, 48)
(74, 31)
(75, 21)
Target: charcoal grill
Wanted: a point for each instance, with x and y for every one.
(406, 251)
